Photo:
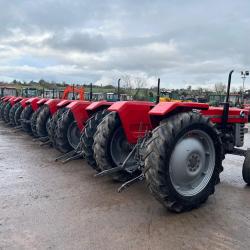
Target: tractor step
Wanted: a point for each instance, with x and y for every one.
(17, 128)
(122, 166)
(25, 121)
(109, 171)
(240, 152)
(45, 143)
(127, 184)
(42, 139)
(72, 155)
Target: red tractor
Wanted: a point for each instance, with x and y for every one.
(75, 129)
(177, 146)
(70, 135)
(3, 104)
(12, 104)
(35, 106)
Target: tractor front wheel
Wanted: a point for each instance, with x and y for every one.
(246, 168)
(183, 161)
(111, 147)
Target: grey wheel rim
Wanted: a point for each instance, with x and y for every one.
(73, 135)
(120, 148)
(192, 163)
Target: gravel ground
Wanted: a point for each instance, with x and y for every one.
(48, 205)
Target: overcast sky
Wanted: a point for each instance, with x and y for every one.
(183, 42)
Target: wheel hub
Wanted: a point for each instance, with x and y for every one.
(73, 135)
(192, 163)
(120, 148)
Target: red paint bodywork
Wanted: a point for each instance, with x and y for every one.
(52, 103)
(63, 103)
(139, 117)
(165, 109)
(11, 100)
(134, 118)
(96, 106)
(78, 108)
(16, 100)
(42, 101)
(23, 102)
(33, 102)
(235, 115)
(6, 98)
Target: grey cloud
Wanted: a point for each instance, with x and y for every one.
(83, 42)
(100, 37)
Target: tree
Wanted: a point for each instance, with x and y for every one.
(219, 88)
(127, 83)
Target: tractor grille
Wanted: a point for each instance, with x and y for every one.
(239, 134)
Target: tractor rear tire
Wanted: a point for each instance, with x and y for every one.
(17, 116)
(105, 158)
(12, 113)
(1, 106)
(25, 119)
(2, 110)
(246, 168)
(7, 109)
(51, 128)
(87, 137)
(62, 129)
(42, 121)
(33, 122)
(183, 161)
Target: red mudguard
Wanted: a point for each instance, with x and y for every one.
(96, 106)
(52, 103)
(23, 102)
(16, 100)
(6, 98)
(33, 102)
(78, 108)
(11, 100)
(63, 103)
(42, 101)
(134, 118)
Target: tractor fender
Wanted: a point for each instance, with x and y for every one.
(78, 108)
(165, 109)
(96, 106)
(63, 103)
(23, 102)
(17, 99)
(42, 101)
(6, 98)
(134, 118)
(33, 102)
(11, 100)
(52, 104)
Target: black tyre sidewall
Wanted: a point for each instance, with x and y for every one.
(166, 138)
(42, 120)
